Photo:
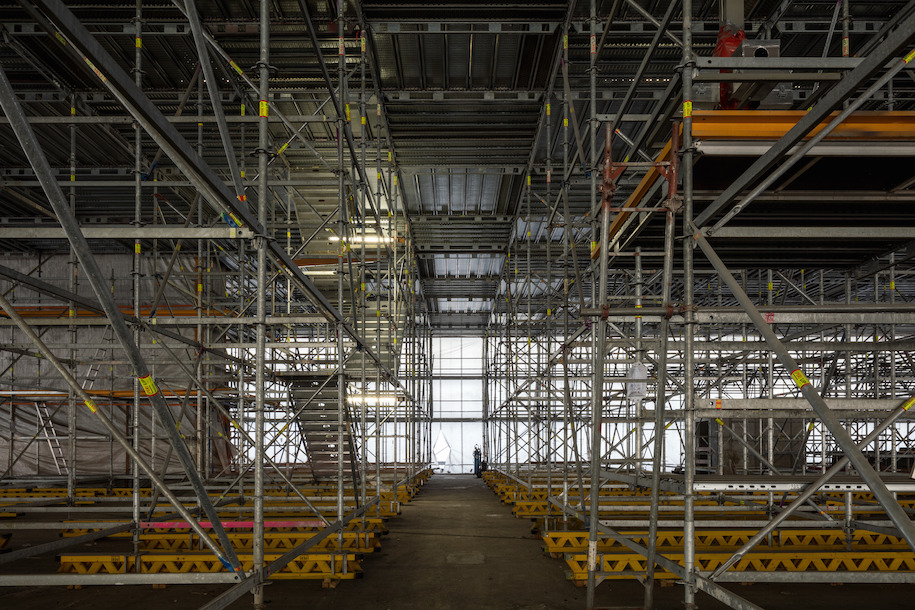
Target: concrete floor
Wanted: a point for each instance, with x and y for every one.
(454, 547)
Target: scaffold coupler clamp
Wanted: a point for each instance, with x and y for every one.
(674, 203)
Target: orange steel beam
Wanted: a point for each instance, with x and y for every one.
(645, 184)
(770, 125)
(773, 124)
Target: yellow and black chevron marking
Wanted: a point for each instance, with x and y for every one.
(273, 541)
(309, 566)
(624, 565)
(557, 543)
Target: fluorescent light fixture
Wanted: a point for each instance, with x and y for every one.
(371, 238)
(318, 271)
(385, 400)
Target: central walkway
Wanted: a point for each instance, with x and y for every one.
(455, 546)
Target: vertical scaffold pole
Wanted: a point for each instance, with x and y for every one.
(263, 195)
(689, 427)
(72, 332)
(657, 456)
(342, 216)
(599, 327)
(548, 289)
(364, 194)
(379, 286)
(137, 221)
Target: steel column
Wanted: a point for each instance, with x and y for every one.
(659, 429)
(599, 326)
(689, 406)
(263, 195)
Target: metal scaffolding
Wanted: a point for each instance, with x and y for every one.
(674, 379)
(677, 231)
(233, 348)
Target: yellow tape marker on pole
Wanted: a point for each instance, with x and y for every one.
(687, 109)
(149, 386)
(92, 406)
(800, 379)
(908, 404)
